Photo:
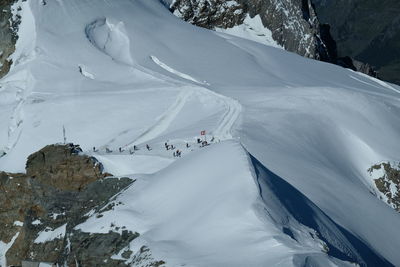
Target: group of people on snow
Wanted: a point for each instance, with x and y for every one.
(176, 153)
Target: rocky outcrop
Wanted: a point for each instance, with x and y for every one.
(386, 177)
(294, 25)
(40, 210)
(8, 36)
(63, 167)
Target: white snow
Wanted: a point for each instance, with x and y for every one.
(149, 78)
(49, 234)
(18, 223)
(252, 29)
(84, 72)
(173, 71)
(193, 216)
(36, 222)
(4, 247)
(121, 165)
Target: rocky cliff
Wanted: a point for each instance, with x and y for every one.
(8, 36)
(40, 209)
(294, 25)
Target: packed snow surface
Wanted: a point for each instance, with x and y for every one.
(252, 29)
(49, 234)
(284, 178)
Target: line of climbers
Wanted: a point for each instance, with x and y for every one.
(177, 153)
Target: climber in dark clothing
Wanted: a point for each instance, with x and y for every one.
(148, 147)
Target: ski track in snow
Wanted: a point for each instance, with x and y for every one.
(225, 125)
(233, 107)
(164, 120)
(224, 130)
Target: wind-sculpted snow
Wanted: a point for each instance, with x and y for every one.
(110, 37)
(115, 74)
(173, 71)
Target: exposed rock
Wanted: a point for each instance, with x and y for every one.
(91, 248)
(39, 211)
(62, 167)
(8, 36)
(210, 14)
(387, 180)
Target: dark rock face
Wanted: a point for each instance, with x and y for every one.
(293, 23)
(388, 183)
(41, 202)
(366, 30)
(61, 166)
(8, 36)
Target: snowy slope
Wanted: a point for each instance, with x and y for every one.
(123, 73)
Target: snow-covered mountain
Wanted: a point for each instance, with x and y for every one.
(284, 180)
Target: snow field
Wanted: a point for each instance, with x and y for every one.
(139, 75)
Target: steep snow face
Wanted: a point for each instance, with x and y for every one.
(205, 223)
(129, 73)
